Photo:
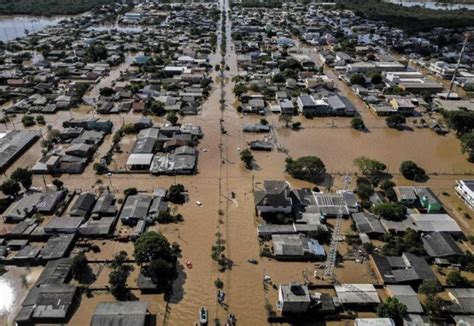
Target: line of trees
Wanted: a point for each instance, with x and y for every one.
(411, 19)
(49, 7)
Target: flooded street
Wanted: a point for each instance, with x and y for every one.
(212, 209)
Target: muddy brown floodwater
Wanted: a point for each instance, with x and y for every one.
(220, 172)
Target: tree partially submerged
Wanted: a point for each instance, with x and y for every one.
(395, 121)
(467, 145)
(412, 171)
(158, 259)
(176, 194)
(309, 168)
(119, 275)
(247, 158)
(372, 169)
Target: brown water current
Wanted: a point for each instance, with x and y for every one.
(221, 172)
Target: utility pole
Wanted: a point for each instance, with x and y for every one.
(336, 234)
(466, 38)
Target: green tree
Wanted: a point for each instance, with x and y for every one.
(157, 108)
(396, 245)
(305, 168)
(162, 273)
(176, 194)
(119, 275)
(79, 267)
(130, 192)
(58, 184)
(430, 287)
(395, 121)
(390, 211)
(246, 156)
(128, 129)
(96, 52)
(106, 91)
(357, 79)
(364, 191)
(23, 176)
(10, 187)
(357, 123)
(434, 306)
(279, 78)
(372, 169)
(323, 235)
(28, 121)
(467, 145)
(172, 118)
(461, 121)
(412, 171)
(239, 89)
(286, 119)
(376, 78)
(100, 168)
(392, 308)
(455, 279)
(387, 184)
(153, 245)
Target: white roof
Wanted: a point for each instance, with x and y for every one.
(435, 222)
(139, 159)
(374, 322)
(357, 293)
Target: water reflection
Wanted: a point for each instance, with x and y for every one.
(432, 4)
(7, 297)
(19, 26)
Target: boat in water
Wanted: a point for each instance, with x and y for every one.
(203, 316)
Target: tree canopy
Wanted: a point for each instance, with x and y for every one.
(392, 308)
(22, 176)
(357, 79)
(247, 158)
(396, 245)
(467, 145)
(412, 171)
(49, 7)
(395, 121)
(119, 275)
(176, 194)
(372, 169)
(411, 19)
(456, 279)
(153, 245)
(390, 211)
(305, 168)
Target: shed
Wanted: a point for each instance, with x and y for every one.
(129, 313)
(358, 294)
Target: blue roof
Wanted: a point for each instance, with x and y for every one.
(316, 248)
